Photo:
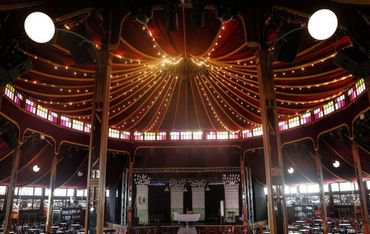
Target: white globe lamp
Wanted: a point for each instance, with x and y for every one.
(39, 27)
(290, 170)
(322, 24)
(36, 168)
(336, 164)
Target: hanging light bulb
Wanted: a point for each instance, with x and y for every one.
(39, 27)
(322, 24)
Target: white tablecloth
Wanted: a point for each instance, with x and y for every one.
(186, 217)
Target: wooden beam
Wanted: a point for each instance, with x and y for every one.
(100, 131)
(277, 213)
(320, 179)
(11, 188)
(361, 188)
(106, 60)
(53, 175)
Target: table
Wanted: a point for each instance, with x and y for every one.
(186, 218)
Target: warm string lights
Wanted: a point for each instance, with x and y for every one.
(298, 120)
(146, 81)
(159, 51)
(208, 102)
(226, 93)
(216, 42)
(164, 105)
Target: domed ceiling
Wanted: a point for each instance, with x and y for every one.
(195, 78)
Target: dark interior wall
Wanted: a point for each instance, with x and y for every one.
(159, 205)
(259, 200)
(212, 202)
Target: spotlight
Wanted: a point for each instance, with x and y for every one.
(290, 170)
(39, 27)
(82, 51)
(286, 47)
(354, 61)
(80, 173)
(36, 168)
(322, 24)
(336, 164)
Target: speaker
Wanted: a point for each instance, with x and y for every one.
(13, 63)
(354, 61)
(286, 48)
(82, 51)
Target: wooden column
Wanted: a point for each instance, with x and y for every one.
(100, 130)
(53, 175)
(129, 187)
(243, 190)
(361, 188)
(320, 179)
(277, 213)
(10, 190)
(107, 64)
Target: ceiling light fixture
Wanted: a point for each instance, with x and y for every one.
(290, 170)
(39, 27)
(336, 164)
(36, 168)
(322, 24)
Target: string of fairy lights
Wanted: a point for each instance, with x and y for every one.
(147, 83)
